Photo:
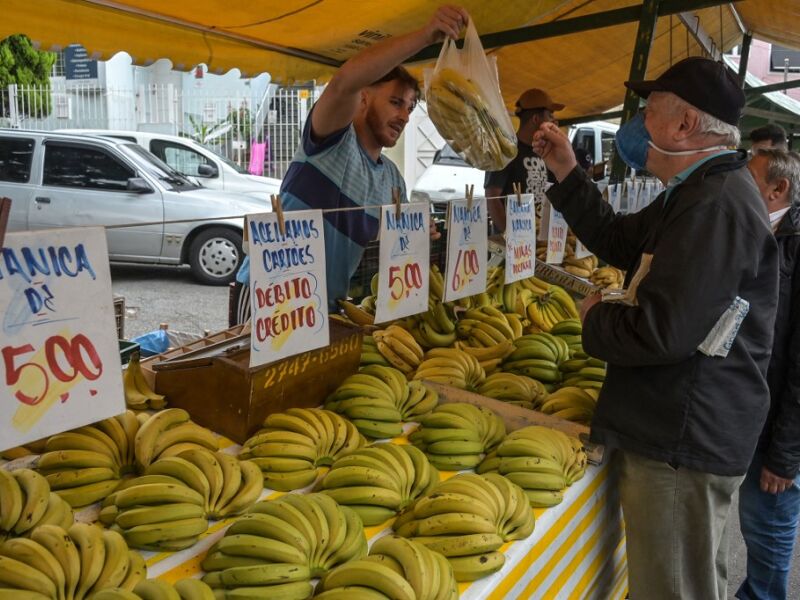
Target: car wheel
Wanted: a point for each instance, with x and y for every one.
(215, 255)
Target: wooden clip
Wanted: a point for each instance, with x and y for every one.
(277, 208)
(396, 201)
(468, 191)
(518, 191)
(5, 210)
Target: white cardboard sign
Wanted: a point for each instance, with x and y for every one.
(59, 352)
(520, 238)
(556, 237)
(466, 249)
(404, 261)
(288, 290)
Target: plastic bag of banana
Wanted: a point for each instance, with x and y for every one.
(465, 104)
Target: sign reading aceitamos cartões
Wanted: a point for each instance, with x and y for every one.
(59, 350)
(288, 293)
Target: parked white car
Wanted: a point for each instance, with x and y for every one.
(210, 169)
(446, 177)
(68, 180)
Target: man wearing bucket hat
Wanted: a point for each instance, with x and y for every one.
(533, 108)
(685, 395)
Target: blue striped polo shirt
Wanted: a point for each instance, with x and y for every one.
(337, 173)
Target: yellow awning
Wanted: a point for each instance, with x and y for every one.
(302, 40)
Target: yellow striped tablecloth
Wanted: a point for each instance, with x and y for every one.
(577, 549)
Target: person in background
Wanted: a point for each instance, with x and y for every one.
(533, 108)
(768, 136)
(340, 165)
(585, 161)
(682, 407)
(769, 497)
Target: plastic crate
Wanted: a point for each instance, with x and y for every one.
(126, 349)
(360, 282)
(119, 316)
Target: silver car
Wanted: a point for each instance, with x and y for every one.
(68, 180)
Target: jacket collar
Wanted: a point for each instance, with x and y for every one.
(790, 223)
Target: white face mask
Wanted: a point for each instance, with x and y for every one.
(684, 152)
(775, 217)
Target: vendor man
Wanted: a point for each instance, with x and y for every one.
(339, 164)
(533, 108)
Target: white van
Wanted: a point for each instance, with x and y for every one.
(446, 177)
(193, 159)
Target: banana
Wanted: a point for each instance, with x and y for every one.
(207, 462)
(143, 536)
(147, 515)
(219, 561)
(269, 526)
(395, 359)
(455, 447)
(369, 574)
(544, 498)
(251, 487)
(59, 480)
(411, 558)
(152, 430)
(356, 314)
(356, 475)
(193, 589)
(537, 481)
(364, 494)
(258, 547)
(116, 564)
(81, 441)
(378, 430)
(12, 501)
(183, 433)
(450, 502)
(56, 541)
(286, 482)
(231, 477)
(529, 464)
(88, 540)
(283, 421)
(58, 512)
(477, 566)
(17, 575)
(183, 470)
(462, 545)
(37, 496)
(266, 574)
(155, 589)
(137, 570)
(157, 493)
(38, 557)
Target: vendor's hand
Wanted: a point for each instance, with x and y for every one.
(588, 303)
(435, 235)
(773, 484)
(554, 147)
(447, 21)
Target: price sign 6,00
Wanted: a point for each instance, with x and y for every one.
(467, 267)
(63, 359)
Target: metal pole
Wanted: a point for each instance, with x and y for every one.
(641, 52)
(744, 57)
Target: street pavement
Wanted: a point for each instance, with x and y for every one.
(155, 295)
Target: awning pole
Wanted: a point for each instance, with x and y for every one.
(744, 57)
(641, 52)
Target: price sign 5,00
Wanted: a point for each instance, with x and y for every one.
(404, 280)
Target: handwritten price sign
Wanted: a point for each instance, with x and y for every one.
(59, 353)
(404, 261)
(466, 249)
(520, 238)
(557, 230)
(288, 291)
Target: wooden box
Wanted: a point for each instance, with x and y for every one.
(212, 379)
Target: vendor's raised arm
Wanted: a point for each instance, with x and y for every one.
(340, 101)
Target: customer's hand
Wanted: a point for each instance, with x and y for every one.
(554, 147)
(773, 484)
(447, 21)
(434, 232)
(588, 303)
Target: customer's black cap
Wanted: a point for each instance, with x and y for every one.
(703, 83)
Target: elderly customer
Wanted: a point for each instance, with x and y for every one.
(769, 498)
(683, 407)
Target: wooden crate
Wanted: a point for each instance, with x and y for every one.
(211, 378)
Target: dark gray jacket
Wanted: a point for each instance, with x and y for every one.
(711, 242)
(780, 440)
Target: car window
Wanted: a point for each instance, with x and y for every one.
(71, 165)
(584, 138)
(181, 158)
(607, 142)
(16, 156)
(448, 156)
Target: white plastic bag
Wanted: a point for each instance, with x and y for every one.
(465, 105)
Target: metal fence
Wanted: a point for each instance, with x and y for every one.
(257, 133)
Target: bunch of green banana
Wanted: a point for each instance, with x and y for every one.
(608, 277)
(435, 328)
(551, 308)
(138, 393)
(495, 281)
(68, 564)
(156, 512)
(570, 331)
(490, 357)
(228, 486)
(540, 460)
(571, 403)
(518, 390)
(156, 589)
(370, 354)
(84, 465)
(371, 400)
(294, 445)
(537, 355)
(457, 109)
(456, 436)
(516, 297)
(26, 503)
(467, 518)
(395, 568)
(485, 326)
(167, 432)
(589, 373)
(380, 480)
(279, 546)
(453, 367)
(399, 347)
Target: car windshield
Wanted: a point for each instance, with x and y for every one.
(448, 156)
(161, 170)
(226, 160)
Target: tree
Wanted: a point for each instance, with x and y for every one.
(24, 65)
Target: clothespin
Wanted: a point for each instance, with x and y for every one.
(277, 208)
(396, 201)
(468, 190)
(5, 210)
(518, 191)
